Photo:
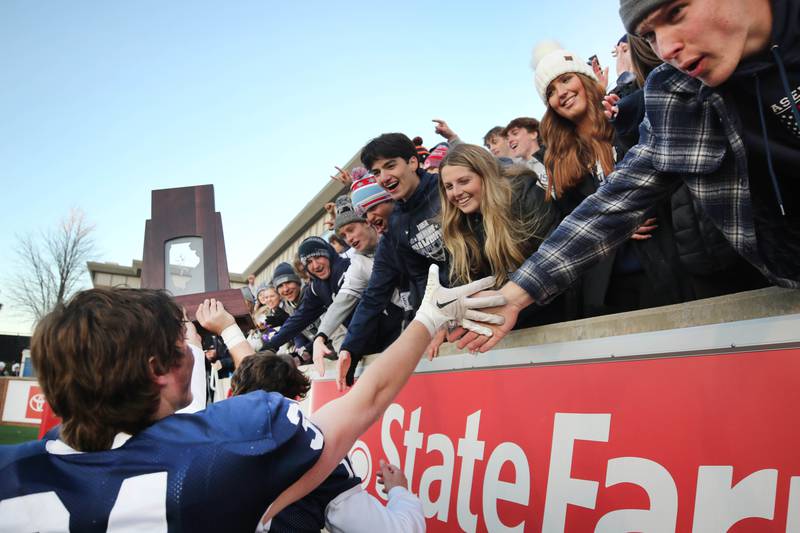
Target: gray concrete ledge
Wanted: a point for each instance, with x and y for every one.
(744, 306)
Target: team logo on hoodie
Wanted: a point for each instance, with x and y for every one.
(783, 110)
(428, 240)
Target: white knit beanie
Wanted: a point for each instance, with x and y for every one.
(551, 61)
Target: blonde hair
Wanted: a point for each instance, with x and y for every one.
(570, 156)
(507, 241)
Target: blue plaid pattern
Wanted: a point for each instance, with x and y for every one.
(689, 133)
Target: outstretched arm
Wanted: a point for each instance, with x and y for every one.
(344, 419)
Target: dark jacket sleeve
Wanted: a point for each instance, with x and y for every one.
(311, 308)
(384, 279)
(627, 121)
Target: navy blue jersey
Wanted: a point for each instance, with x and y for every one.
(215, 470)
(308, 514)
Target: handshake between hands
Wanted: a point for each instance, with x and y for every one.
(452, 308)
(458, 306)
(455, 308)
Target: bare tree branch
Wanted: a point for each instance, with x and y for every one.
(49, 269)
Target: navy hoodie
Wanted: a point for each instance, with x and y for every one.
(766, 109)
(316, 300)
(412, 243)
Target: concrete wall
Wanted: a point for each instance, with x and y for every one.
(734, 322)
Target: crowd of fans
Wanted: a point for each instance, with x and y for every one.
(673, 183)
(484, 210)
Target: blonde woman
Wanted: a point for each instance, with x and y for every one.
(492, 220)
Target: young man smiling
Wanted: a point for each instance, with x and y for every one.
(363, 239)
(287, 283)
(327, 269)
(722, 116)
(522, 135)
(411, 244)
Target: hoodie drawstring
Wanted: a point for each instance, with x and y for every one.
(775, 49)
(775, 186)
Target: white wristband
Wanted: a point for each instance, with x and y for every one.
(232, 335)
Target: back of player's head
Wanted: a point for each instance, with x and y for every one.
(272, 373)
(388, 146)
(95, 358)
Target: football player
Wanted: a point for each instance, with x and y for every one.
(339, 503)
(115, 366)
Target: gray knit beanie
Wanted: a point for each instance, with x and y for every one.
(632, 12)
(345, 213)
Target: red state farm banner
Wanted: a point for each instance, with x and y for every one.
(702, 443)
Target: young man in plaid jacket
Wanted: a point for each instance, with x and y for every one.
(722, 116)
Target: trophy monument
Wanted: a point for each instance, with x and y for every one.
(184, 251)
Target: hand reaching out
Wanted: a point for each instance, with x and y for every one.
(610, 107)
(444, 130)
(442, 306)
(190, 332)
(645, 230)
(342, 366)
(212, 315)
(433, 348)
(320, 351)
(342, 177)
(600, 72)
(517, 299)
(391, 476)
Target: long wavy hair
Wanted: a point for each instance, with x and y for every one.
(643, 59)
(569, 156)
(507, 240)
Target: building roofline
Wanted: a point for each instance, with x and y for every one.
(302, 221)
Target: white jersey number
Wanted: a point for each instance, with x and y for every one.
(141, 505)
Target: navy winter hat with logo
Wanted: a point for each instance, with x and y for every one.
(313, 247)
(283, 273)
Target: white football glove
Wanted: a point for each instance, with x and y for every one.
(441, 306)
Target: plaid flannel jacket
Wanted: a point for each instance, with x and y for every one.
(688, 134)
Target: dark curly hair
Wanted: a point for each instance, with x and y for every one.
(387, 146)
(93, 359)
(272, 373)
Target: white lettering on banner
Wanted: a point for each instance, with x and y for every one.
(660, 487)
(470, 449)
(793, 513)
(393, 413)
(442, 473)
(413, 442)
(561, 488)
(718, 503)
(493, 489)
